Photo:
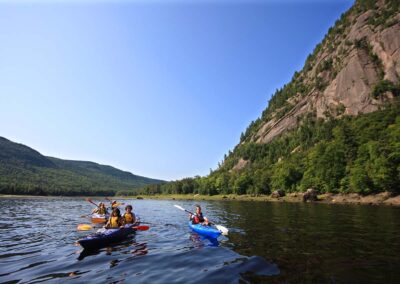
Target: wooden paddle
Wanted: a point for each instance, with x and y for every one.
(220, 228)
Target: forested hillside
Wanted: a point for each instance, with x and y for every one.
(335, 127)
(25, 171)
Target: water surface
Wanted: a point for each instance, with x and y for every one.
(268, 243)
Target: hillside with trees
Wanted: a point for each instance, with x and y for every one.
(26, 171)
(335, 127)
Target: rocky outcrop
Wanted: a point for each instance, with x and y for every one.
(356, 55)
(277, 193)
(242, 163)
(310, 195)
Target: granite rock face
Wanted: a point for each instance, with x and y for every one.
(355, 56)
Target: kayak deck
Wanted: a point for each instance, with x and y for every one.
(106, 237)
(99, 218)
(205, 230)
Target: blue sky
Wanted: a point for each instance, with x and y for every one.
(159, 88)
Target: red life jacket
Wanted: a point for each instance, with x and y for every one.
(196, 219)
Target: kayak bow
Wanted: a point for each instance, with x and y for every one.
(205, 230)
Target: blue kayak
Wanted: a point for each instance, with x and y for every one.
(205, 230)
(106, 237)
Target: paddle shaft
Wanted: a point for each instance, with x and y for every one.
(211, 223)
(89, 200)
(179, 207)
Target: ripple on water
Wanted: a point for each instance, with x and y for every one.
(38, 249)
(282, 243)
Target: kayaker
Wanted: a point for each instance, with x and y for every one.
(129, 217)
(198, 217)
(114, 204)
(101, 209)
(115, 220)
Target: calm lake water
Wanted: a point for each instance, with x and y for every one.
(268, 243)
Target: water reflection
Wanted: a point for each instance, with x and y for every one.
(268, 242)
(127, 247)
(202, 241)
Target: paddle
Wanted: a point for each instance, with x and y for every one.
(220, 228)
(89, 200)
(87, 227)
(84, 227)
(141, 228)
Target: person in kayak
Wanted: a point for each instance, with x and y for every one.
(115, 220)
(198, 217)
(101, 209)
(129, 217)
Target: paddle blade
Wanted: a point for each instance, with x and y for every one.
(222, 229)
(179, 207)
(141, 228)
(84, 227)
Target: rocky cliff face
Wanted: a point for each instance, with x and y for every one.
(356, 69)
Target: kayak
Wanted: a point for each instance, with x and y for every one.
(99, 218)
(205, 230)
(105, 237)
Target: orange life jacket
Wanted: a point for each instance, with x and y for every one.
(128, 217)
(114, 222)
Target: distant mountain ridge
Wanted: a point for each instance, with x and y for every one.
(24, 170)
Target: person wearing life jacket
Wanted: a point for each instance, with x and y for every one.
(129, 217)
(101, 209)
(115, 220)
(198, 217)
(114, 204)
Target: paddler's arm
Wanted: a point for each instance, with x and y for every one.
(107, 224)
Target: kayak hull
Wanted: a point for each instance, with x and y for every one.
(205, 230)
(108, 237)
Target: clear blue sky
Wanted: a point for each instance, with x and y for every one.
(159, 88)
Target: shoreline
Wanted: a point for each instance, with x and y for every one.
(383, 198)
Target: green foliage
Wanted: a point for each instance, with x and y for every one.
(325, 65)
(385, 17)
(325, 167)
(365, 5)
(363, 44)
(25, 171)
(351, 154)
(384, 86)
(286, 176)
